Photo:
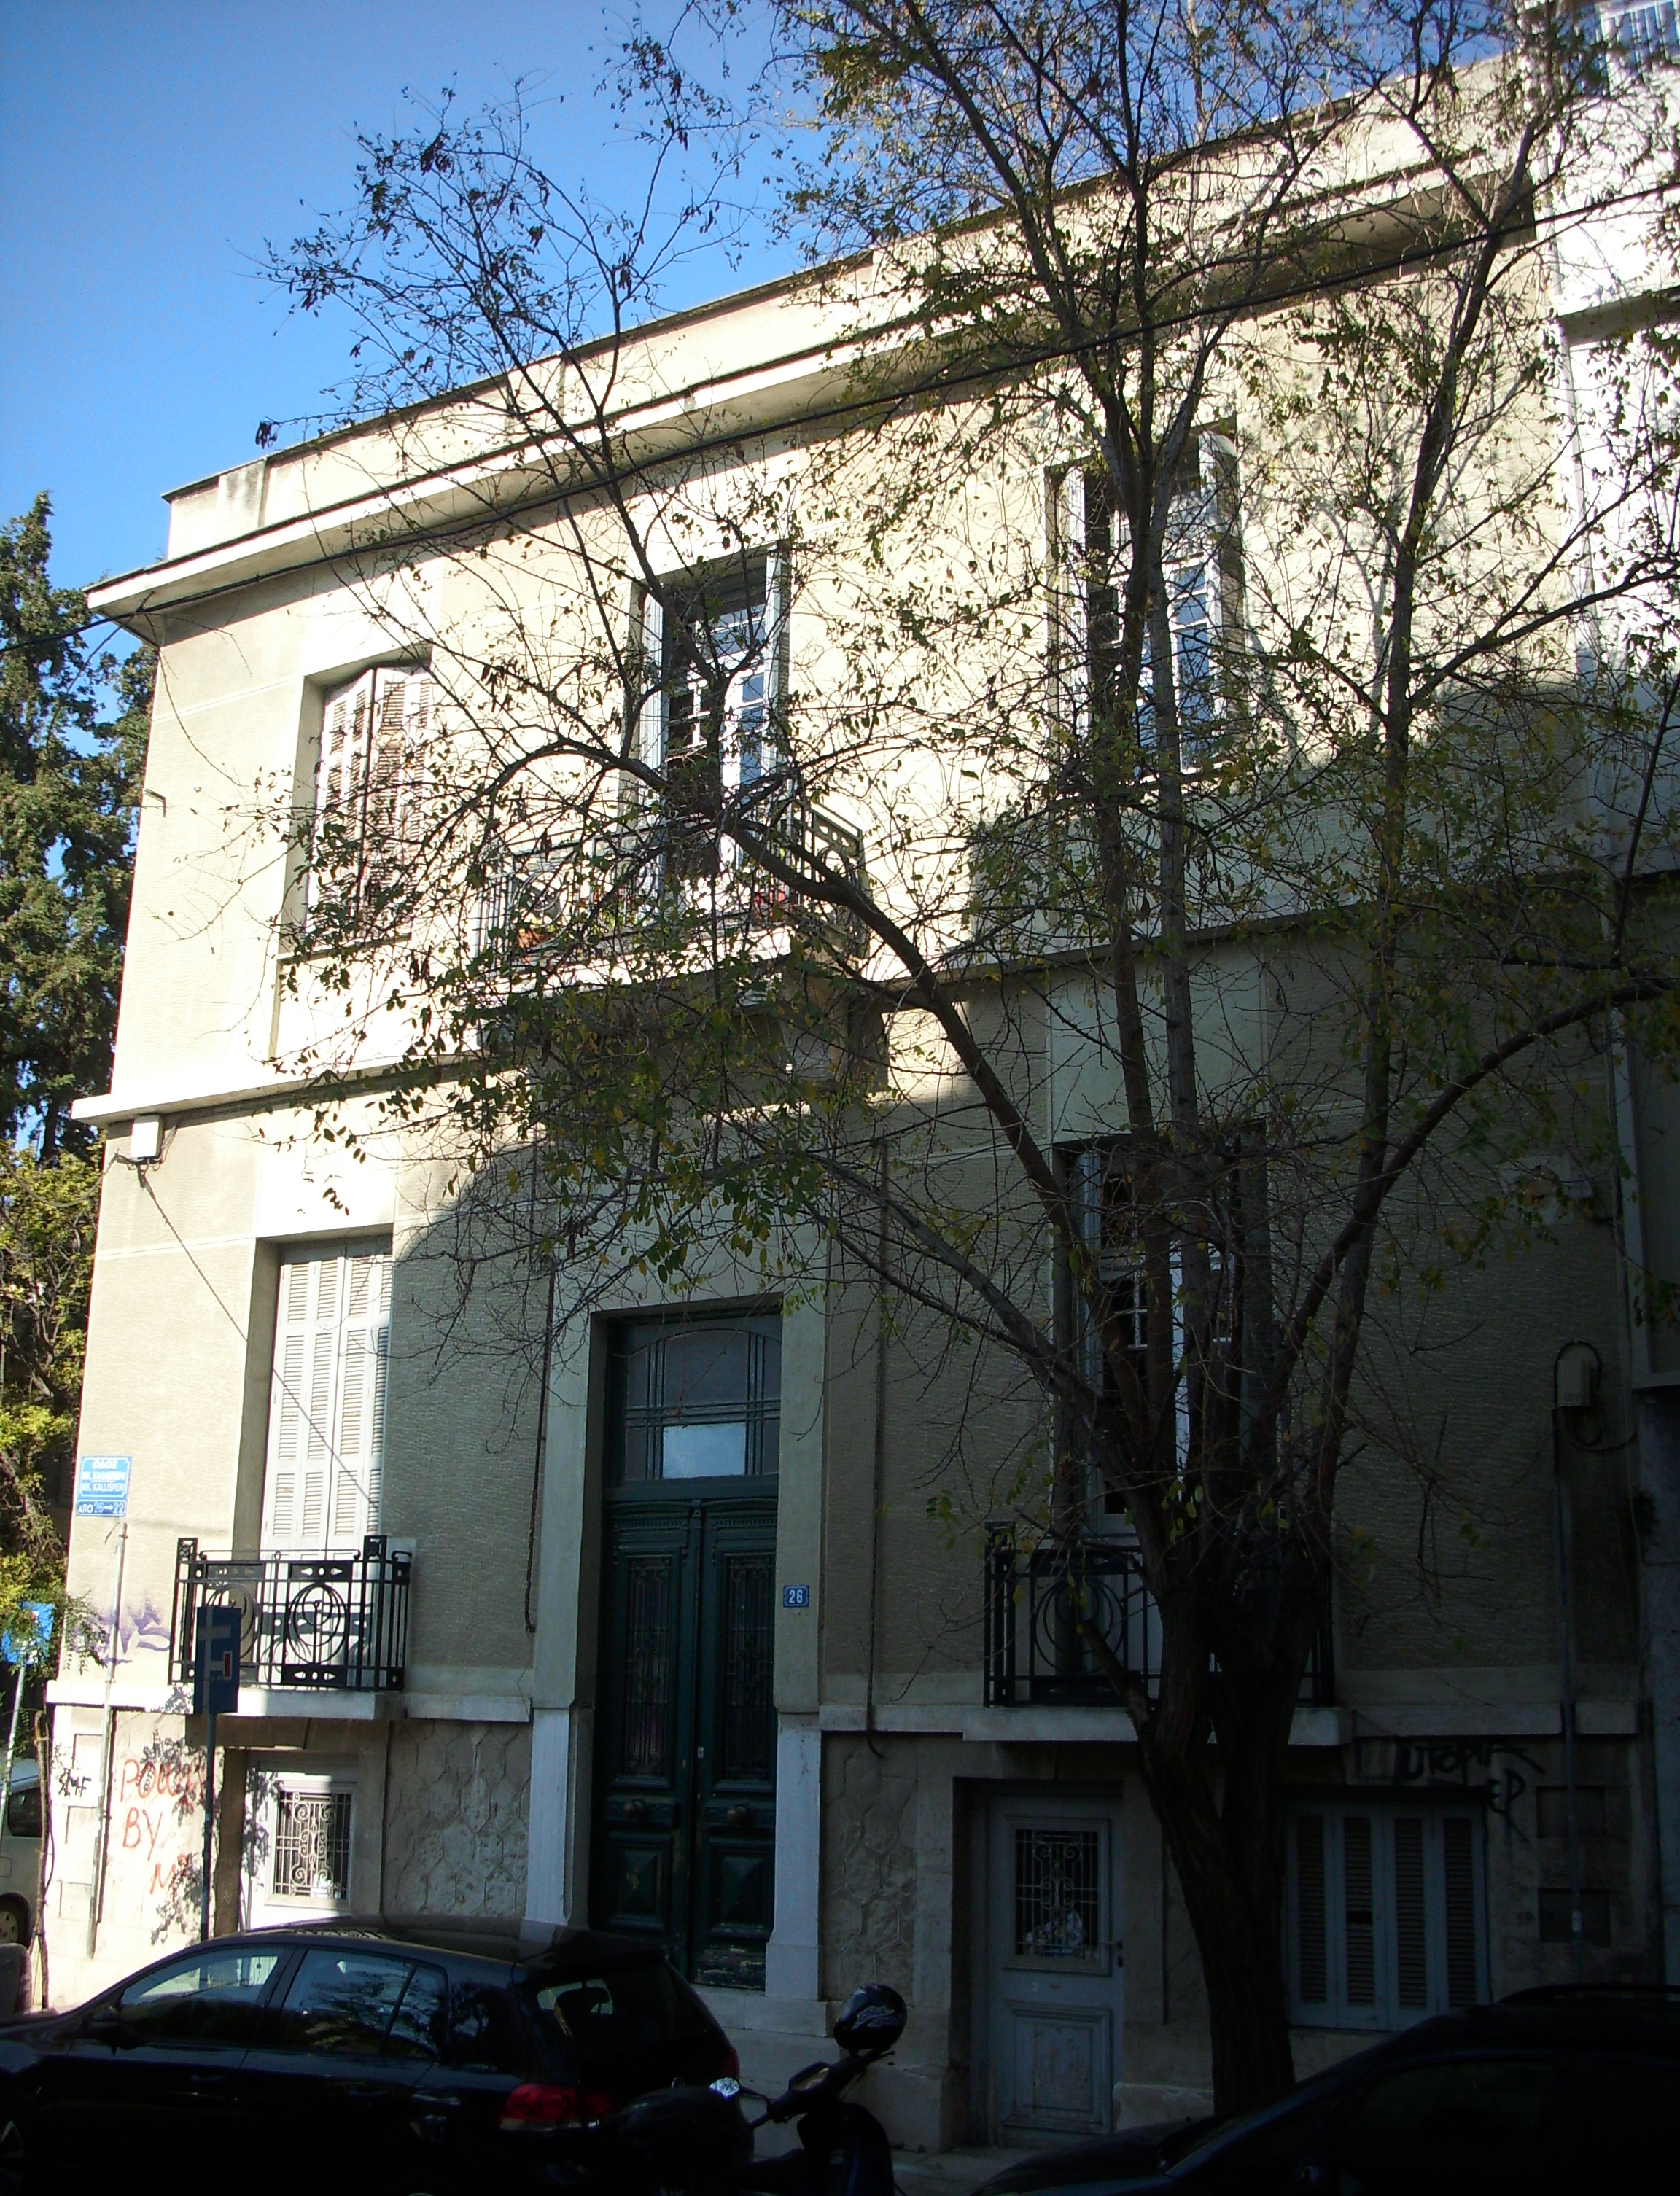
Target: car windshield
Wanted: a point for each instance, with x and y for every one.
(602, 2020)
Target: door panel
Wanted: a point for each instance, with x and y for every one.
(643, 1785)
(1054, 1966)
(685, 1779)
(735, 1768)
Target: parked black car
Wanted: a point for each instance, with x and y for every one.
(368, 2056)
(1551, 2093)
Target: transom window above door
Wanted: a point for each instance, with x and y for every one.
(693, 1397)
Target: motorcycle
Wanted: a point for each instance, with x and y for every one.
(700, 2142)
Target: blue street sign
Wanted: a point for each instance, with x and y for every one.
(216, 1666)
(30, 1648)
(796, 1597)
(101, 1487)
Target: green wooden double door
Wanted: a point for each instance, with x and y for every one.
(683, 1849)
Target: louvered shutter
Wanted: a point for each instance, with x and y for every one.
(403, 716)
(1386, 1924)
(304, 1403)
(651, 727)
(341, 784)
(327, 1413)
(356, 1468)
(1068, 558)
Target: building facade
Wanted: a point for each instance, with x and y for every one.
(652, 1625)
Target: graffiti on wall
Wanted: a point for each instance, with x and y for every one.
(1492, 1768)
(155, 1851)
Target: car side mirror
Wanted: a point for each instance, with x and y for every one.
(104, 2024)
(872, 2022)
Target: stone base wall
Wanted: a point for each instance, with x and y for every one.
(456, 1804)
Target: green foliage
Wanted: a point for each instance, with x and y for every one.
(47, 1218)
(69, 783)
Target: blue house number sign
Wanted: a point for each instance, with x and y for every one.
(796, 1597)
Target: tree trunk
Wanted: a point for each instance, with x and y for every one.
(1222, 1810)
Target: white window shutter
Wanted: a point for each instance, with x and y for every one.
(401, 719)
(340, 783)
(326, 1413)
(1068, 550)
(355, 1488)
(651, 727)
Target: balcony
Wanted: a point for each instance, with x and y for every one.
(312, 1622)
(1039, 1599)
(547, 910)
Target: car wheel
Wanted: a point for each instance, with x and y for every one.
(13, 1923)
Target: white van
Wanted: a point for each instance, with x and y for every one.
(20, 1855)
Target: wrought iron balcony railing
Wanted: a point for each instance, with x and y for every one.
(542, 907)
(322, 1623)
(1040, 1601)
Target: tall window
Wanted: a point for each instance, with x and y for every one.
(369, 779)
(1202, 568)
(1232, 1222)
(694, 1398)
(327, 1398)
(1639, 36)
(712, 724)
(1386, 1913)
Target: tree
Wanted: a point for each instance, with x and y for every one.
(47, 1219)
(1261, 770)
(69, 787)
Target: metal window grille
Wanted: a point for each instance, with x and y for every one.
(1058, 1895)
(647, 1667)
(747, 1718)
(311, 1846)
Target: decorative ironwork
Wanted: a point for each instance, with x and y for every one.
(319, 1623)
(1058, 1896)
(747, 1718)
(647, 1666)
(1043, 1602)
(311, 1844)
(541, 911)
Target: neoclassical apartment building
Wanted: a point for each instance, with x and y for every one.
(652, 1627)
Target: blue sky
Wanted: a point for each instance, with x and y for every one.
(149, 147)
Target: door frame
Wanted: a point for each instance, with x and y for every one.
(987, 1800)
(700, 1519)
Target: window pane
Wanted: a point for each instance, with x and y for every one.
(210, 1997)
(714, 1452)
(481, 2030)
(342, 2002)
(1464, 2129)
(423, 2018)
(23, 1812)
(604, 2023)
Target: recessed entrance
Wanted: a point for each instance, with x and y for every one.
(1054, 1966)
(684, 1837)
